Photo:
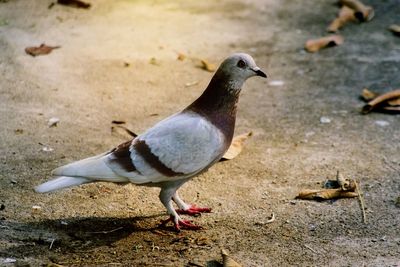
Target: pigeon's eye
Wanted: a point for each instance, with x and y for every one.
(241, 64)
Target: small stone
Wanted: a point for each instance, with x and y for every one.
(53, 122)
(2, 207)
(276, 83)
(47, 149)
(382, 123)
(325, 120)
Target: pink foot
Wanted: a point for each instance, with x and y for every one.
(194, 211)
(182, 224)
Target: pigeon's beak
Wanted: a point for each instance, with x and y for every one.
(259, 72)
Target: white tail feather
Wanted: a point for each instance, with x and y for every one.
(93, 168)
(61, 182)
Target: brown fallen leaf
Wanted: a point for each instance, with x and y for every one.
(328, 41)
(368, 95)
(325, 194)
(40, 50)
(227, 261)
(395, 29)
(381, 101)
(205, 65)
(394, 102)
(236, 146)
(345, 15)
(343, 188)
(361, 11)
(74, 3)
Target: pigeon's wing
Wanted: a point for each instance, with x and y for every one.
(177, 147)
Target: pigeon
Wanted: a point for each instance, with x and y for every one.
(175, 149)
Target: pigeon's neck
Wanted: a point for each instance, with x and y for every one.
(218, 103)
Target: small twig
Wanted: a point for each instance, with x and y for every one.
(310, 248)
(51, 244)
(362, 203)
(272, 219)
(106, 232)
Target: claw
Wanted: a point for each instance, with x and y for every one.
(194, 211)
(181, 224)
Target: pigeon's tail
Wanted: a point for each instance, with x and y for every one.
(94, 168)
(60, 183)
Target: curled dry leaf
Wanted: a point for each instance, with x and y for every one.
(227, 261)
(345, 15)
(205, 65)
(343, 188)
(395, 29)
(382, 101)
(325, 194)
(74, 3)
(236, 146)
(315, 45)
(361, 11)
(368, 95)
(40, 50)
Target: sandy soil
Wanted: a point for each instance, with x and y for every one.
(87, 84)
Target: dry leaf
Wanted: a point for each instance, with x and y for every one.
(227, 261)
(345, 15)
(395, 29)
(380, 101)
(236, 146)
(205, 65)
(361, 11)
(325, 194)
(317, 44)
(395, 109)
(74, 3)
(394, 102)
(342, 188)
(368, 95)
(40, 50)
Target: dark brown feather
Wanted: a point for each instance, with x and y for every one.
(122, 156)
(143, 149)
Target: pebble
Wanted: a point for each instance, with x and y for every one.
(382, 123)
(325, 120)
(276, 83)
(53, 122)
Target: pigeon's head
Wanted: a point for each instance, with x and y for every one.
(239, 67)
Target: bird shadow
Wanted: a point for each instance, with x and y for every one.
(72, 234)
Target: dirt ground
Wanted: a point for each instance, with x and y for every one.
(104, 71)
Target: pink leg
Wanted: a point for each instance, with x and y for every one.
(193, 210)
(181, 224)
